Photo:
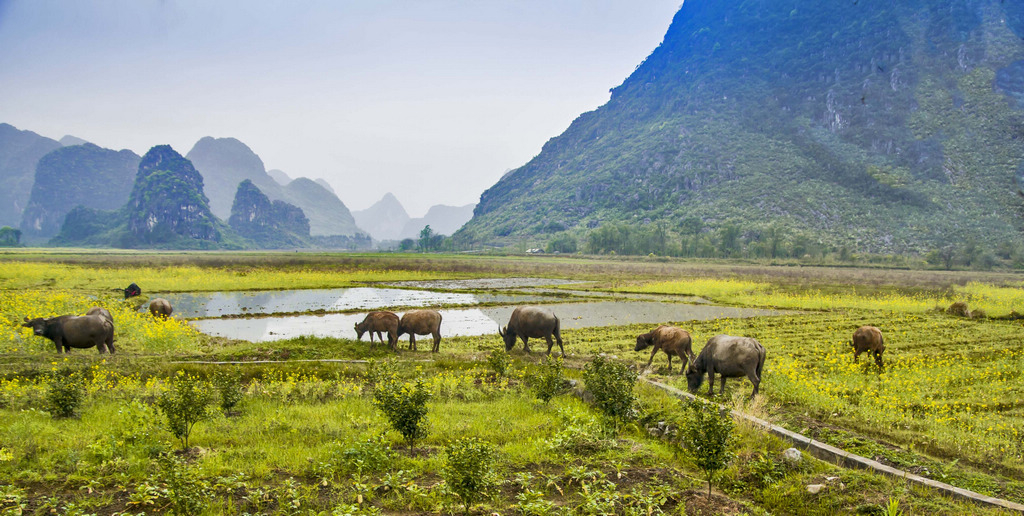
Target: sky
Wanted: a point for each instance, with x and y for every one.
(431, 100)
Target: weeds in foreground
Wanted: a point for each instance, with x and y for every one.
(550, 381)
(469, 469)
(65, 391)
(612, 384)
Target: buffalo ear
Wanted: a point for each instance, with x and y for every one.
(26, 318)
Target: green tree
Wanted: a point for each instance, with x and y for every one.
(10, 237)
(185, 404)
(426, 238)
(612, 384)
(706, 435)
(403, 404)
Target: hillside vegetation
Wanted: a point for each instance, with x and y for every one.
(771, 128)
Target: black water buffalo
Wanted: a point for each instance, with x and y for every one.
(869, 338)
(73, 331)
(421, 322)
(730, 357)
(376, 322)
(670, 339)
(132, 291)
(160, 307)
(532, 321)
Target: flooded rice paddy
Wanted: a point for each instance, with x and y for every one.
(217, 312)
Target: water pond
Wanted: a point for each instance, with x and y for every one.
(475, 321)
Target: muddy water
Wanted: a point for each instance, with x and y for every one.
(476, 321)
(218, 304)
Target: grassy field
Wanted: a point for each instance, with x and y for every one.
(306, 438)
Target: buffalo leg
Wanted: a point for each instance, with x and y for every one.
(558, 337)
(412, 341)
(526, 345)
(393, 341)
(551, 343)
(669, 363)
(878, 360)
(754, 379)
(437, 342)
(711, 383)
(651, 360)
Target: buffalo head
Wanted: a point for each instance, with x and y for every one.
(38, 324)
(508, 336)
(643, 341)
(694, 379)
(132, 291)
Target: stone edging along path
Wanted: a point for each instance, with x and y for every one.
(816, 448)
(835, 455)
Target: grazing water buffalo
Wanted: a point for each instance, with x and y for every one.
(730, 357)
(421, 322)
(869, 338)
(532, 321)
(160, 307)
(376, 322)
(73, 331)
(670, 339)
(132, 291)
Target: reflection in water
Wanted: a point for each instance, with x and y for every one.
(217, 304)
(477, 321)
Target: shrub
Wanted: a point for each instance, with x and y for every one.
(186, 491)
(469, 469)
(404, 405)
(229, 385)
(707, 436)
(65, 391)
(185, 404)
(612, 384)
(499, 361)
(550, 381)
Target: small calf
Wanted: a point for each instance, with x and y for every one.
(869, 338)
(377, 322)
(670, 339)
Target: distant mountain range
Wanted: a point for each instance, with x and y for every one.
(226, 162)
(387, 219)
(871, 126)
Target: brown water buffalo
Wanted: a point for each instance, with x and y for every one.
(99, 310)
(376, 322)
(73, 331)
(730, 357)
(532, 321)
(421, 322)
(670, 339)
(160, 307)
(869, 338)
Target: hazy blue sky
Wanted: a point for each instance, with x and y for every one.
(431, 100)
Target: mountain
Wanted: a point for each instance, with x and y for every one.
(875, 126)
(384, 220)
(69, 140)
(271, 225)
(84, 175)
(226, 162)
(442, 219)
(19, 153)
(279, 176)
(166, 209)
(327, 186)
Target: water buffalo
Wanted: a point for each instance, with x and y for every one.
(132, 291)
(670, 339)
(730, 357)
(160, 307)
(99, 310)
(421, 322)
(869, 338)
(376, 322)
(73, 331)
(532, 321)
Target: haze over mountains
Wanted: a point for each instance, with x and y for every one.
(878, 126)
(387, 219)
